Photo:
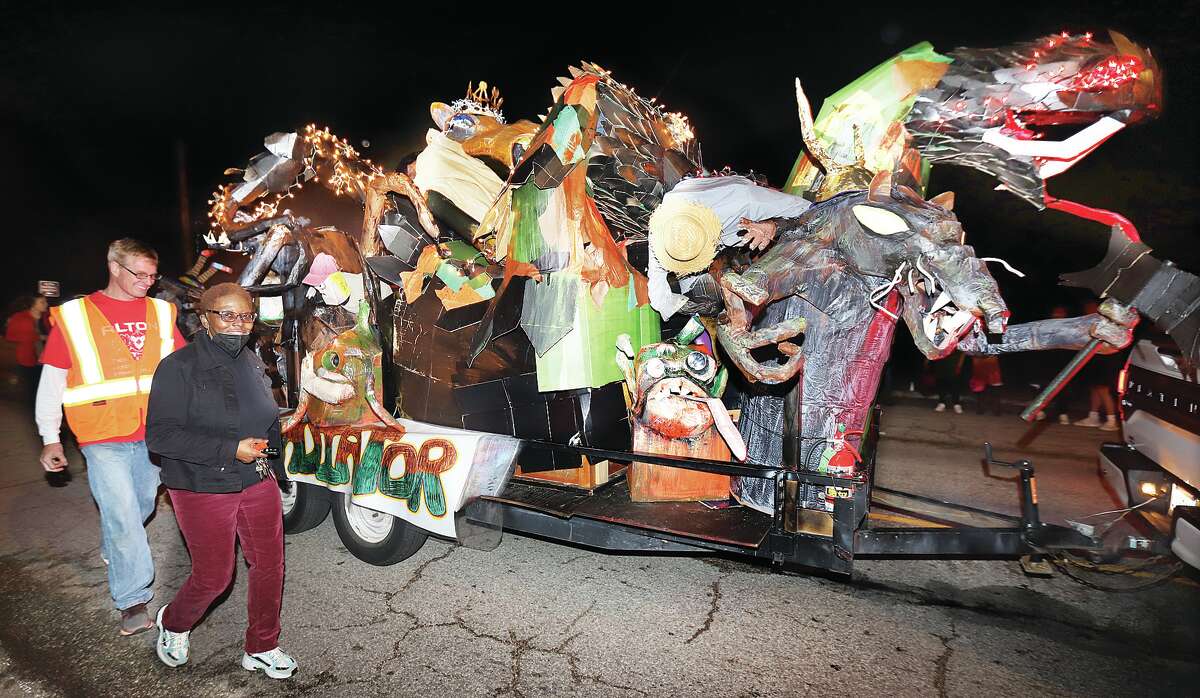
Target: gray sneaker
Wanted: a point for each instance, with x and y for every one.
(172, 648)
(135, 619)
(274, 663)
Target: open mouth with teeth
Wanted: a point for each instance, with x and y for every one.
(675, 387)
(936, 321)
(944, 323)
(678, 408)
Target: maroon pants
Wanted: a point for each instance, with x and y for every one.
(209, 523)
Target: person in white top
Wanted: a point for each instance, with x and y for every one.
(723, 206)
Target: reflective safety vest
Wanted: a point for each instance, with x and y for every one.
(107, 389)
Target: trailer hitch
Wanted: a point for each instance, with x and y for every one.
(1039, 536)
(1031, 522)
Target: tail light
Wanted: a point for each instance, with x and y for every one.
(1122, 385)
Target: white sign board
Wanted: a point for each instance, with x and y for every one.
(48, 289)
(422, 475)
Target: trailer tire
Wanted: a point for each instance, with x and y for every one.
(374, 537)
(305, 506)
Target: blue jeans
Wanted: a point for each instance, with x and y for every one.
(124, 484)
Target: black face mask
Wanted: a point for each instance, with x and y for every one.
(231, 344)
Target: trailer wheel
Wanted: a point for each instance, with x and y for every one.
(305, 506)
(374, 537)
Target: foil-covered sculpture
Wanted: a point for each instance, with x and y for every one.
(843, 273)
(989, 109)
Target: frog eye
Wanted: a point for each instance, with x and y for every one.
(332, 360)
(701, 366)
(697, 363)
(461, 127)
(655, 368)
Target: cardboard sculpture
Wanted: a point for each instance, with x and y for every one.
(676, 389)
(579, 199)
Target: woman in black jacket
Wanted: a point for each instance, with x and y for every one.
(215, 427)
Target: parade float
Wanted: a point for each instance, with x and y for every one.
(543, 328)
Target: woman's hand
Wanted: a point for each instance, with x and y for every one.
(250, 448)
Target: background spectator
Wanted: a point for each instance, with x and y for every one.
(24, 329)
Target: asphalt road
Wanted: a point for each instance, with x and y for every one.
(534, 618)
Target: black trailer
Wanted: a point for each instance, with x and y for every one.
(872, 522)
(866, 522)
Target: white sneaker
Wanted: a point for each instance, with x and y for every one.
(1092, 420)
(1110, 424)
(1041, 416)
(274, 663)
(1064, 418)
(941, 407)
(958, 409)
(172, 647)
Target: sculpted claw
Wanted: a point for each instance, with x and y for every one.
(738, 341)
(751, 293)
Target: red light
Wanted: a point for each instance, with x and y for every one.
(1122, 381)
(1108, 75)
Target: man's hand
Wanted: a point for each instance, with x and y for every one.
(758, 234)
(250, 448)
(53, 459)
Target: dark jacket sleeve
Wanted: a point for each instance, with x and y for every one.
(167, 432)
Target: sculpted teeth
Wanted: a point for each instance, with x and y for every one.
(675, 387)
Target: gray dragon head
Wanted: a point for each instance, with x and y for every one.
(889, 239)
(919, 247)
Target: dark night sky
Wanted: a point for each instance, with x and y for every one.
(95, 100)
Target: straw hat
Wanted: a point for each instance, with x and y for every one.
(684, 235)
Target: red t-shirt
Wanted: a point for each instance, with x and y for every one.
(128, 320)
(22, 330)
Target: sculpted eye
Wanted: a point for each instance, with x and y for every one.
(880, 220)
(331, 361)
(461, 127)
(698, 363)
(655, 368)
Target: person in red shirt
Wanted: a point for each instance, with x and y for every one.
(97, 367)
(24, 330)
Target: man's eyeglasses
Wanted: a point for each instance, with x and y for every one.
(230, 316)
(140, 276)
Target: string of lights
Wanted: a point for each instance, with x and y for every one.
(345, 172)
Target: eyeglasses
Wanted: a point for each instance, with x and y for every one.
(140, 276)
(230, 316)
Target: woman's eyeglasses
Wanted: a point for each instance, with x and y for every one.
(230, 316)
(139, 275)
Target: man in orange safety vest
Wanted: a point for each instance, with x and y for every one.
(97, 368)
